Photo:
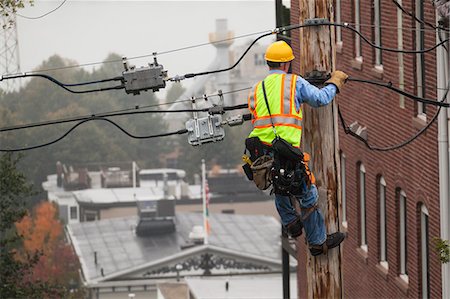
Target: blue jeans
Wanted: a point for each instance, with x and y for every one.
(314, 224)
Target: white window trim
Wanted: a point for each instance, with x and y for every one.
(343, 191)
(362, 195)
(338, 21)
(383, 237)
(377, 19)
(424, 252)
(401, 71)
(419, 60)
(358, 55)
(403, 233)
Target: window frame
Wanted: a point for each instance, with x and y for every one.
(344, 190)
(403, 242)
(71, 213)
(424, 253)
(383, 258)
(362, 208)
(357, 15)
(338, 21)
(377, 32)
(419, 41)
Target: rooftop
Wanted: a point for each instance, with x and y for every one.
(110, 248)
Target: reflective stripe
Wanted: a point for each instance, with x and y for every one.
(252, 98)
(282, 94)
(292, 99)
(277, 120)
(286, 95)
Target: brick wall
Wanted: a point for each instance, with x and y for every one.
(413, 169)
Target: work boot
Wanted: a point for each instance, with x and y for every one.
(332, 241)
(294, 228)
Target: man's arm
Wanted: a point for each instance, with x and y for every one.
(313, 96)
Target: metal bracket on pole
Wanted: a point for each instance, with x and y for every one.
(317, 21)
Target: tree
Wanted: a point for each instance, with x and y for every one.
(15, 273)
(43, 232)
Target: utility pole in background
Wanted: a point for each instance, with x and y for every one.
(320, 139)
(9, 50)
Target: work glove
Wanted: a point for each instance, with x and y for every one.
(338, 78)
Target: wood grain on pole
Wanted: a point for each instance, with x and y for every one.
(320, 139)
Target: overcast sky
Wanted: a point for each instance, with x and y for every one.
(87, 31)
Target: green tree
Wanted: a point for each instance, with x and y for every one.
(94, 141)
(8, 7)
(15, 274)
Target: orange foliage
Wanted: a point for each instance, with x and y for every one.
(42, 232)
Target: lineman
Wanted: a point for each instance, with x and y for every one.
(275, 104)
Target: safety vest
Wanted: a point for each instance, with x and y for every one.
(280, 90)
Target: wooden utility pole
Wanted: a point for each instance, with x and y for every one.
(320, 139)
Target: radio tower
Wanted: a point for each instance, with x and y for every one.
(9, 51)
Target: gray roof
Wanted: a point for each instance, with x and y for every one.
(241, 287)
(119, 250)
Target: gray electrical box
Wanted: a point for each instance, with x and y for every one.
(144, 78)
(205, 129)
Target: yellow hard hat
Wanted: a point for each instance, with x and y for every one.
(279, 51)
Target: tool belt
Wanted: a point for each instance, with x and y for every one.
(280, 165)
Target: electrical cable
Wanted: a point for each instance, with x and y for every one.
(423, 22)
(277, 30)
(122, 112)
(402, 92)
(298, 26)
(146, 55)
(348, 131)
(66, 85)
(179, 132)
(41, 16)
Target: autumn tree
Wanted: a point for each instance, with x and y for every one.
(15, 273)
(42, 232)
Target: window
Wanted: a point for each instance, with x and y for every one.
(403, 271)
(425, 269)
(338, 21)
(358, 54)
(343, 191)
(401, 71)
(382, 223)
(283, 17)
(420, 58)
(73, 213)
(377, 32)
(90, 216)
(362, 207)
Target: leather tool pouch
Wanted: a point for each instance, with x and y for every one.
(260, 169)
(262, 174)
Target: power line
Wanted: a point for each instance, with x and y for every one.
(179, 132)
(41, 16)
(348, 131)
(147, 55)
(391, 27)
(266, 32)
(423, 22)
(67, 85)
(313, 24)
(126, 111)
(389, 85)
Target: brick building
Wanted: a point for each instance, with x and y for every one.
(393, 205)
